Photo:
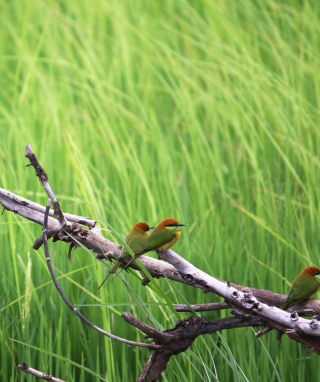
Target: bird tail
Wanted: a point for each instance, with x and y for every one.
(111, 271)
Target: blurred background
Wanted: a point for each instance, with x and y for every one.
(207, 111)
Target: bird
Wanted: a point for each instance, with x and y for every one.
(304, 286)
(135, 239)
(164, 235)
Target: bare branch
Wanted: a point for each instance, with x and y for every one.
(244, 301)
(180, 338)
(92, 239)
(24, 367)
(43, 177)
(29, 209)
(201, 307)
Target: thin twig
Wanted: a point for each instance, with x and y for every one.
(201, 307)
(39, 374)
(43, 177)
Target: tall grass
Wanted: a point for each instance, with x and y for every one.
(206, 111)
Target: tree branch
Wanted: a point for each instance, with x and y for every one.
(251, 307)
(180, 338)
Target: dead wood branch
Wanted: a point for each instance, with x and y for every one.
(180, 338)
(251, 307)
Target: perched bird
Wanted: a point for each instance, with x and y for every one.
(164, 235)
(303, 287)
(135, 239)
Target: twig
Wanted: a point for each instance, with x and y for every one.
(24, 367)
(43, 177)
(201, 307)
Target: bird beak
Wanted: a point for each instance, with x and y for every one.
(151, 228)
(181, 225)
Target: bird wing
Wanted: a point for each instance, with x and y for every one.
(157, 239)
(135, 243)
(310, 287)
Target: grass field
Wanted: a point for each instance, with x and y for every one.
(207, 111)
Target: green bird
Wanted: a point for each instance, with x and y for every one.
(303, 287)
(164, 235)
(135, 239)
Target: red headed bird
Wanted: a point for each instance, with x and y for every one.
(304, 286)
(135, 239)
(165, 234)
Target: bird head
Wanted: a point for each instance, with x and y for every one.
(312, 271)
(142, 226)
(170, 223)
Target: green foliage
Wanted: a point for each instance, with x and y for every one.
(205, 111)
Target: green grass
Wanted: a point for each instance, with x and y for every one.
(206, 111)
